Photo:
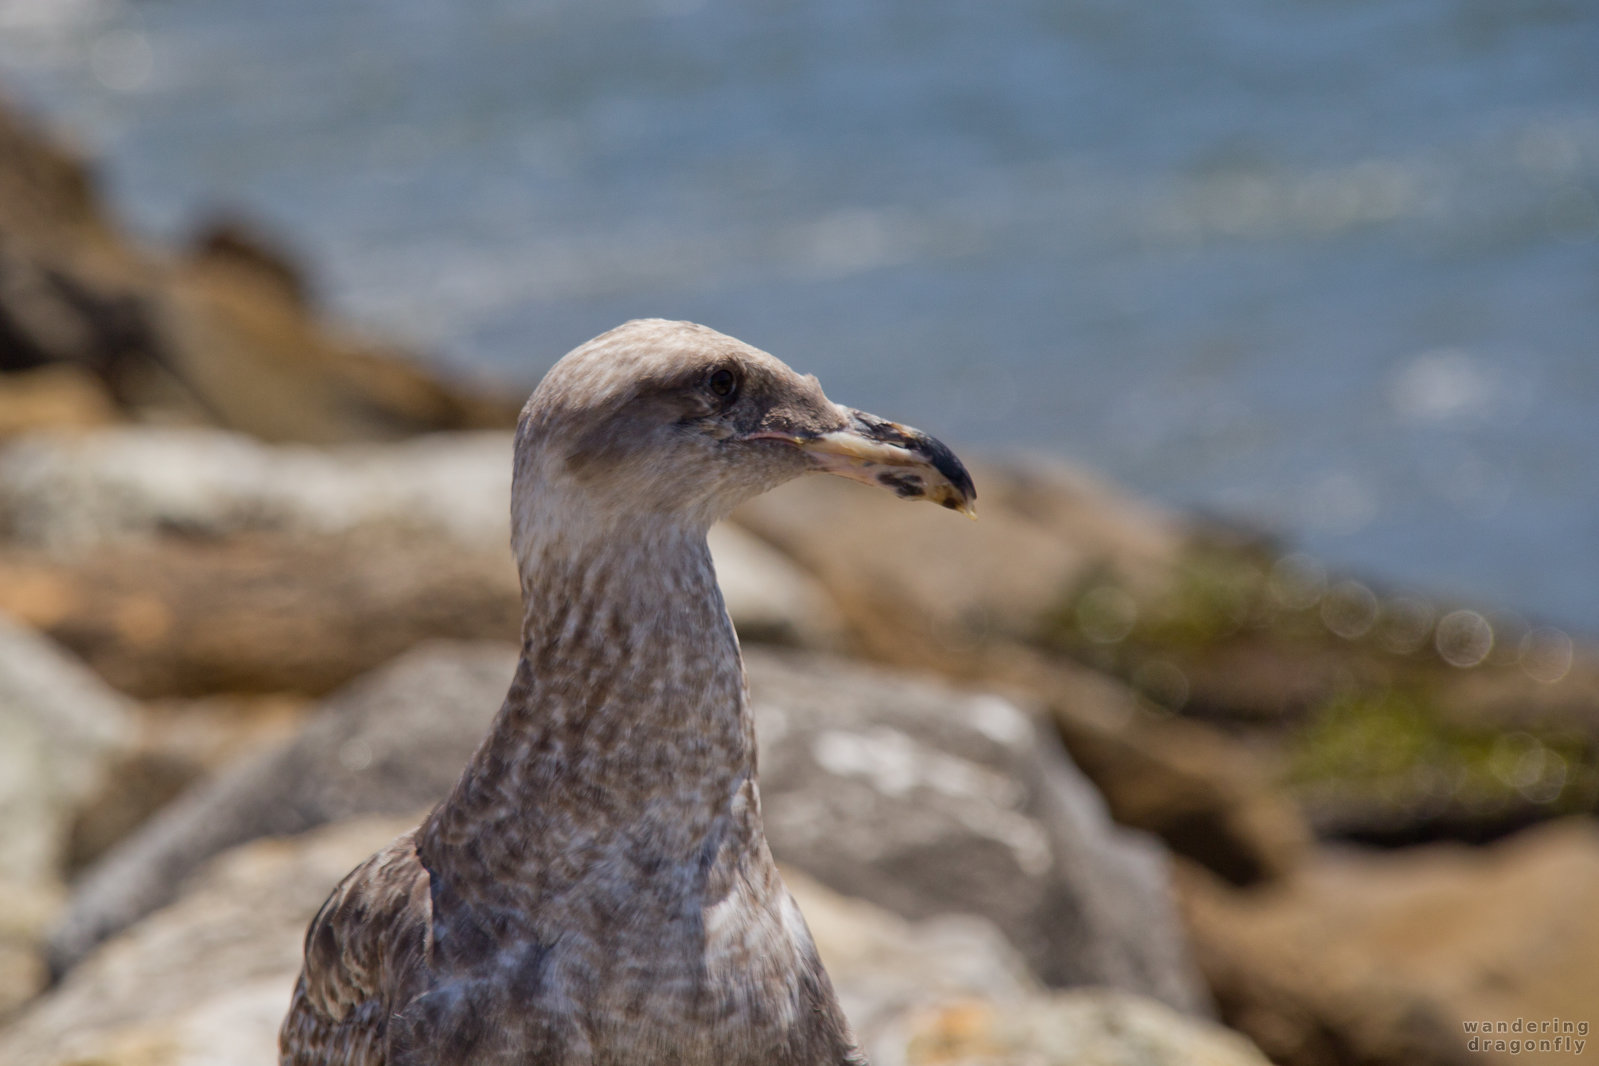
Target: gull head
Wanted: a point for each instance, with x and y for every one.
(672, 424)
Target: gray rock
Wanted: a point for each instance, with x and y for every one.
(926, 800)
(884, 968)
(392, 741)
(206, 981)
(769, 598)
(61, 730)
(918, 799)
(79, 491)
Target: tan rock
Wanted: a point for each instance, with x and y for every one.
(240, 352)
(1078, 1028)
(769, 598)
(270, 613)
(916, 591)
(49, 196)
(53, 397)
(950, 991)
(26, 911)
(1383, 958)
(884, 966)
(1202, 793)
(219, 338)
(174, 617)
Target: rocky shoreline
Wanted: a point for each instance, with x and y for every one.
(1082, 782)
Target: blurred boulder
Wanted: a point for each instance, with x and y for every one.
(1381, 957)
(26, 911)
(207, 980)
(1364, 703)
(1089, 1027)
(917, 592)
(950, 991)
(917, 798)
(1205, 794)
(186, 617)
(1472, 758)
(927, 800)
(231, 242)
(392, 742)
(53, 397)
(84, 492)
(771, 600)
(61, 733)
(49, 197)
(177, 743)
(886, 968)
(222, 337)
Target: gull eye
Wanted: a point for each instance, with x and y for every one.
(722, 382)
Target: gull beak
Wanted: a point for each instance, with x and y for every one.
(875, 451)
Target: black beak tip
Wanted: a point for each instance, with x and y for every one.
(945, 462)
(935, 451)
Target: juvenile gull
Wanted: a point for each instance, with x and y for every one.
(597, 888)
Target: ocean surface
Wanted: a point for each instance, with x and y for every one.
(1330, 269)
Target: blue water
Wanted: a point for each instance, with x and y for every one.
(1330, 268)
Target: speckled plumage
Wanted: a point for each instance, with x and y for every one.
(597, 888)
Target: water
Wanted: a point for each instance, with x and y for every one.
(1331, 268)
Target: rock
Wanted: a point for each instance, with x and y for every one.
(918, 799)
(207, 979)
(269, 613)
(61, 732)
(950, 991)
(49, 197)
(52, 397)
(930, 801)
(62, 729)
(1362, 702)
(1207, 796)
(237, 243)
(980, 604)
(770, 600)
(394, 741)
(917, 592)
(1381, 958)
(884, 967)
(1471, 761)
(218, 338)
(238, 351)
(26, 912)
(1077, 1028)
(177, 744)
(80, 493)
